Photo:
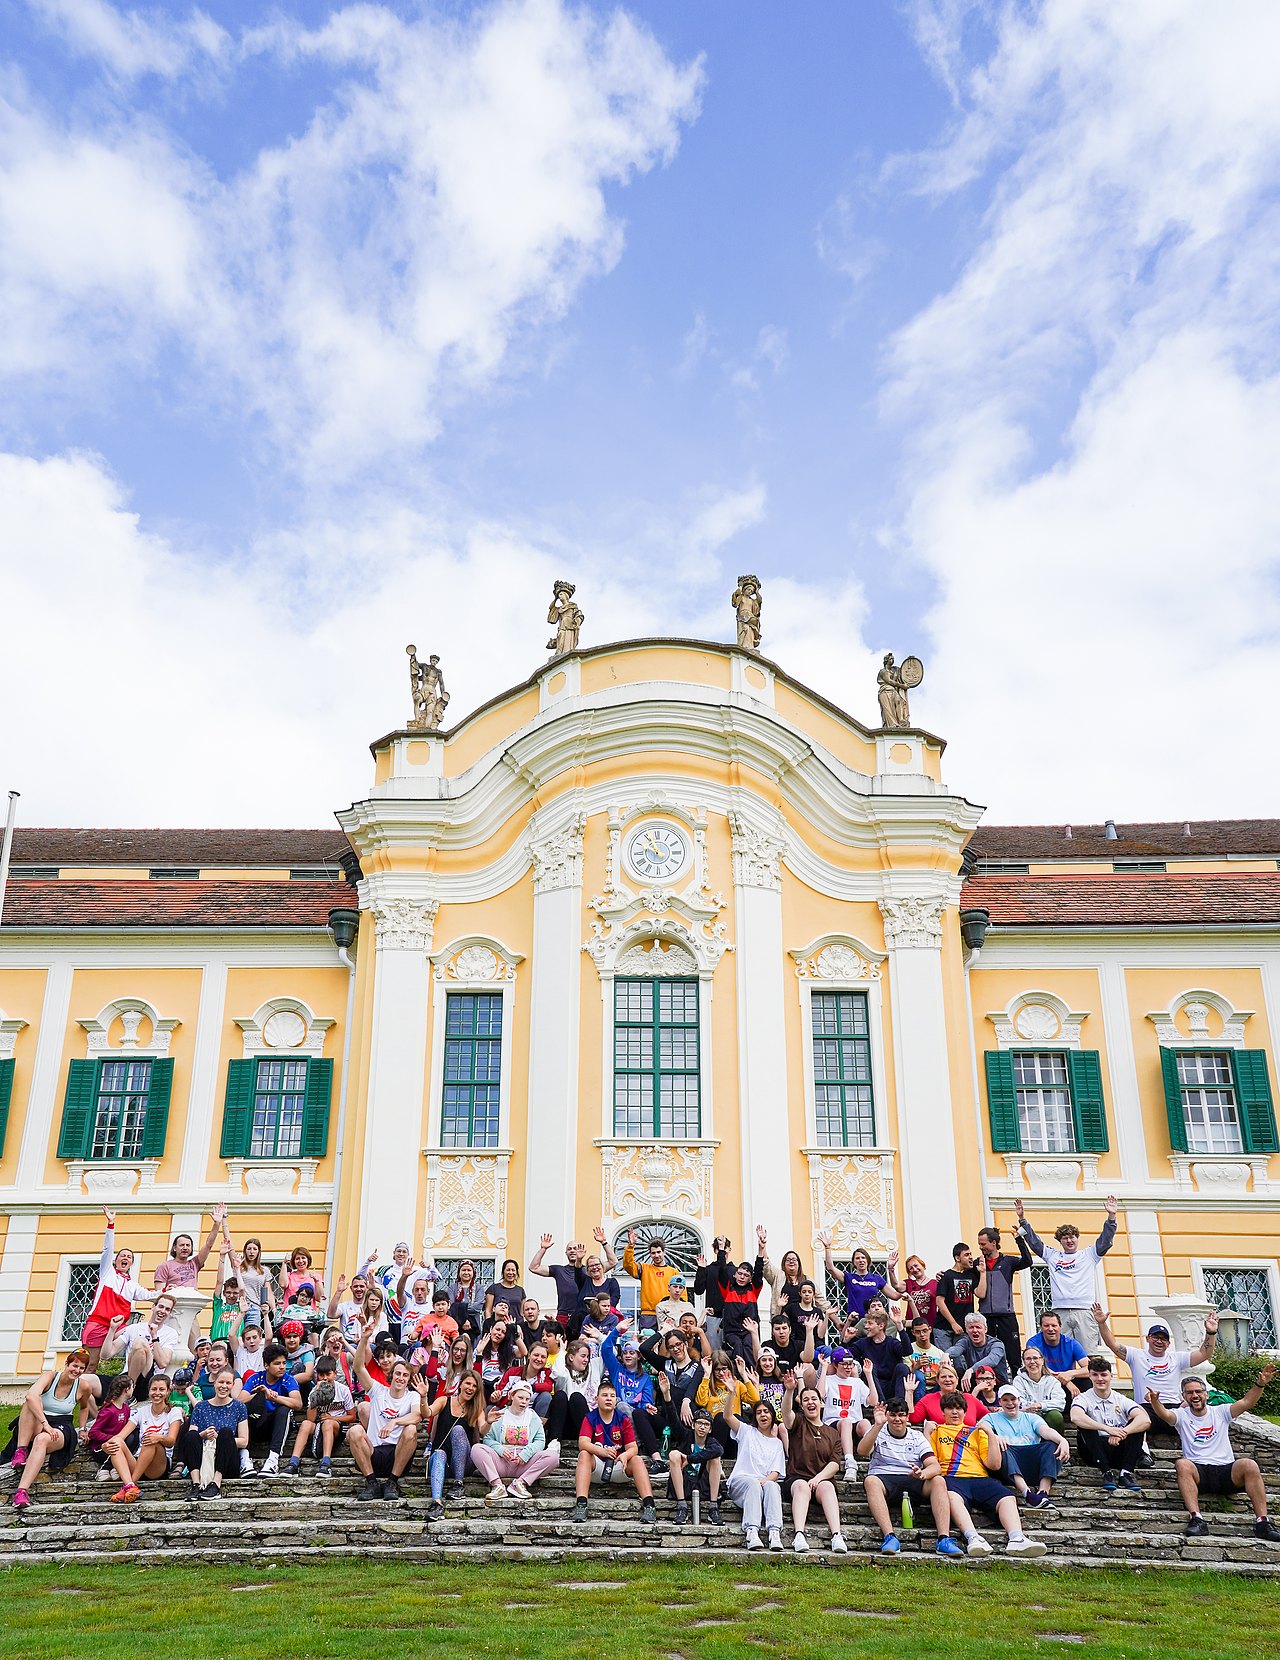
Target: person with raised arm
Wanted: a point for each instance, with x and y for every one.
(118, 1290)
(755, 1482)
(148, 1345)
(861, 1282)
(181, 1268)
(996, 1305)
(1157, 1365)
(903, 1466)
(383, 1448)
(1209, 1463)
(814, 1456)
(740, 1289)
(567, 1276)
(1073, 1271)
(655, 1276)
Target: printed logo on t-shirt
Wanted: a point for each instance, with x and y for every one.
(1204, 1433)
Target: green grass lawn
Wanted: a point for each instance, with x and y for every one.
(695, 1611)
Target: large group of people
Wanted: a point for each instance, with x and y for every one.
(923, 1383)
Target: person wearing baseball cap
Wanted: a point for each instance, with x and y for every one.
(695, 1465)
(1159, 1366)
(676, 1301)
(1033, 1451)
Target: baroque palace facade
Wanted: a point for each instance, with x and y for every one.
(659, 938)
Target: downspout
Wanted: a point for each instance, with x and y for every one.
(344, 924)
(973, 930)
(7, 848)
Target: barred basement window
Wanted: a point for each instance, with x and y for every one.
(844, 1111)
(1043, 1092)
(1247, 1291)
(656, 1078)
(472, 1069)
(82, 1288)
(1041, 1293)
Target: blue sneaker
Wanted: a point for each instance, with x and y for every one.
(891, 1545)
(947, 1547)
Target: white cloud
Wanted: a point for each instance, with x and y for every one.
(1092, 412)
(447, 199)
(131, 43)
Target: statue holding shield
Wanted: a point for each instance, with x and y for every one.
(895, 681)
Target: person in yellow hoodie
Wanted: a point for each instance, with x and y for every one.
(655, 1277)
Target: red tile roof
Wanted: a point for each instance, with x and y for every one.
(1208, 839)
(1125, 901)
(160, 905)
(178, 847)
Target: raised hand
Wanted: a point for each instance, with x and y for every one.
(373, 1256)
(867, 1370)
(878, 1413)
(893, 1257)
(342, 1284)
(751, 1325)
(1099, 1314)
(1267, 1373)
(546, 1241)
(700, 1260)
(599, 1235)
(631, 1238)
(219, 1212)
(110, 1215)
(1211, 1321)
(1019, 1209)
(761, 1236)
(825, 1238)
(1111, 1204)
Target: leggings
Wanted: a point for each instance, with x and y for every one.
(453, 1454)
(226, 1457)
(647, 1429)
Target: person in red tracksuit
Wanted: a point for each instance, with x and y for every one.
(740, 1288)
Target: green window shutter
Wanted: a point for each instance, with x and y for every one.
(1253, 1101)
(1084, 1068)
(237, 1109)
(315, 1109)
(1002, 1103)
(6, 1090)
(1173, 1101)
(156, 1124)
(78, 1107)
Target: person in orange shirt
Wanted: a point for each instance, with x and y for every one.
(655, 1277)
(967, 1454)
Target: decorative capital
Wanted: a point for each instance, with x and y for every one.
(913, 922)
(405, 924)
(557, 858)
(757, 855)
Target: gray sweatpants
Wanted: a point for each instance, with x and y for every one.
(753, 1496)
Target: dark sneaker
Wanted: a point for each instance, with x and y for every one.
(1130, 1482)
(713, 1516)
(1109, 1482)
(293, 1467)
(211, 1491)
(435, 1510)
(682, 1513)
(1265, 1529)
(1036, 1500)
(579, 1511)
(454, 1489)
(648, 1512)
(391, 1489)
(1197, 1528)
(372, 1489)
(1146, 1459)
(192, 1490)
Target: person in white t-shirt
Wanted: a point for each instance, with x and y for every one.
(1208, 1463)
(846, 1397)
(1159, 1365)
(1111, 1429)
(1073, 1271)
(384, 1449)
(148, 1345)
(755, 1484)
(903, 1466)
(153, 1429)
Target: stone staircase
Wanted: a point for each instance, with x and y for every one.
(71, 1520)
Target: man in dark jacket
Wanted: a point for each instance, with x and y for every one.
(740, 1290)
(997, 1305)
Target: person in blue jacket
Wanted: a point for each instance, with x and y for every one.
(621, 1355)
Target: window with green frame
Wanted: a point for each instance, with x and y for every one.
(471, 1104)
(657, 1084)
(116, 1108)
(277, 1106)
(6, 1091)
(843, 1102)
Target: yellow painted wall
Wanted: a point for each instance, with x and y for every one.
(21, 998)
(1215, 1237)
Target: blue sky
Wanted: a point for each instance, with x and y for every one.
(358, 323)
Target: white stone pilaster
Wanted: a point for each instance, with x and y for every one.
(393, 1131)
(202, 1103)
(762, 1041)
(551, 1141)
(42, 1104)
(926, 1125)
(15, 1287)
(1146, 1253)
(1126, 1101)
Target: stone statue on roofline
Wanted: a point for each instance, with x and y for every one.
(426, 686)
(567, 617)
(895, 681)
(747, 605)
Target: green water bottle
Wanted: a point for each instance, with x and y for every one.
(908, 1514)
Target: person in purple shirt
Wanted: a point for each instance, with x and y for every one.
(861, 1282)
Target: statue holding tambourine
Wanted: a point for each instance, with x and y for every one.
(895, 681)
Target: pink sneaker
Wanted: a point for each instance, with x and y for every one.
(21, 1499)
(20, 1457)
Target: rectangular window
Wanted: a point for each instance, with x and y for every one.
(171, 873)
(1247, 1291)
(472, 1069)
(1043, 1092)
(1209, 1102)
(657, 1087)
(279, 1096)
(486, 1273)
(82, 1288)
(1149, 867)
(120, 1111)
(844, 1109)
(1041, 1293)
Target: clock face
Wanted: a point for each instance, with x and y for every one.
(657, 852)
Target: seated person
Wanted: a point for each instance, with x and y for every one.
(514, 1452)
(330, 1410)
(814, 1457)
(269, 1396)
(607, 1451)
(1111, 1428)
(675, 1303)
(978, 1348)
(1063, 1355)
(303, 1309)
(384, 1443)
(846, 1401)
(1209, 1463)
(1039, 1392)
(926, 1409)
(967, 1457)
(110, 1421)
(44, 1436)
(695, 1465)
(888, 1355)
(1158, 1365)
(755, 1482)
(154, 1428)
(148, 1345)
(903, 1466)
(925, 1356)
(216, 1437)
(301, 1356)
(985, 1387)
(1033, 1450)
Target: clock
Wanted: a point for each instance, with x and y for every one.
(656, 852)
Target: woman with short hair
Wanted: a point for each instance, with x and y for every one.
(45, 1436)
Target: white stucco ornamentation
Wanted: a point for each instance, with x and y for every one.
(274, 1181)
(1037, 1018)
(1201, 1017)
(284, 1025)
(851, 1192)
(656, 1179)
(9, 1030)
(608, 946)
(405, 924)
(557, 857)
(131, 1012)
(657, 959)
(913, 921)
(107, 1183)
(837, 957)
(757, 853)
(1051, 1173)
(467, 1200)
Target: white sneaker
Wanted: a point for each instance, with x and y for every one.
(838, 1545)
(106, 1473)
(553, 1447)
(246, 1464)
(1026, 1547)
(851, 1469)
(801, 1544)
(775, 1538)
(270, 1465)
(978, 1546)
(518, 1490)
(754, 1541)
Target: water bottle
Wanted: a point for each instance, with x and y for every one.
(666, 1443)
(908, 1514)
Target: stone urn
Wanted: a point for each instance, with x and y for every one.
(188, 1303)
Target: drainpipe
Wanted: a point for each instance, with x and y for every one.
(973, 931)
(344, 924)
(8, 846)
